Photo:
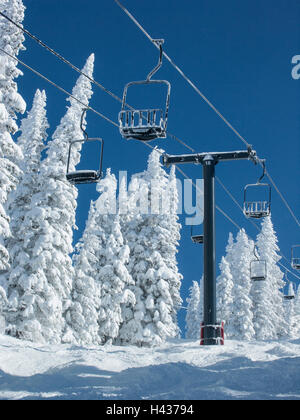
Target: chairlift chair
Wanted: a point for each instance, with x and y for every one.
(295, 258)
(196, 239)
(85, 176)
(259, 208)
(258, 268)
(291, 292)
(146, 124)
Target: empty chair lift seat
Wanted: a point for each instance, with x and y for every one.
(83, 176)
(143, 125)
(256, 209)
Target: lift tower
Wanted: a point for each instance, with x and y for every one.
(211, 333)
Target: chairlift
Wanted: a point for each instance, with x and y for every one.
(196, 239)
(85, 176)
(291, 292)
(296, 257)
(259, 208)
(258, 268)
(146, 124)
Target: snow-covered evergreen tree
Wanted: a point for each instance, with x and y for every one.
(51, 220)
(297, 312)
(3, 305)
(11, 103)
(170, 246)
(193, 318)
(101, 284)
(241, 322)
(22, 285)
(83, 314)
(152, 263)
(267, 295)
(224, 293)
(225, 286)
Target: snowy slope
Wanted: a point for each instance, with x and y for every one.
(177, 370)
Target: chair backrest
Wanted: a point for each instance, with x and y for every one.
(85, 176)
(296, 257)
(260, 207)
(136, 119)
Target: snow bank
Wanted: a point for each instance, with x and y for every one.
(180, 369)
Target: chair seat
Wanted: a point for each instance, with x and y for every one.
(256, 214)
(258, 278)
(83, 176)
(198, 239)
(146, 133)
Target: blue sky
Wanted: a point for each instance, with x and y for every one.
(237, 52)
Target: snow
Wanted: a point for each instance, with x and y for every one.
(179, 369)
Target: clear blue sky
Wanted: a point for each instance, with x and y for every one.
(237, 52)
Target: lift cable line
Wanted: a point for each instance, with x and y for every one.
(198, 189)
(209, 103)
(103, 88)
(182, 73)
(212, 333)
(253, 224)
(97, 113)
(60, 88)
(224, 213)
(116, 125)
(108, 119)
(282, 198)
(60, 57)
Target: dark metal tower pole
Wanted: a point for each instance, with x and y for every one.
(210, 312)
(211, 331)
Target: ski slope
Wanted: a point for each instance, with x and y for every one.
(179, 369)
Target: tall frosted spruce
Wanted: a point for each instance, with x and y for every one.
(194, 311)
(101, 285)
(152, 237)
(225, 285)
(23, 283)
(297, 312)
(241, 322)
(11, 103)
(268, 297)
(53, 220)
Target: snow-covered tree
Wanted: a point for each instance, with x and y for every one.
(267, 295)
(33, 135)
(194, 312)
(3, 305)
(83, 314)
(297, 312)
(21, 285)
(152, 263)
(225, 286)
(170, 246)
(224, 293)
(241, 322)
(11, 103)
(101, 284)
(50, 222)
